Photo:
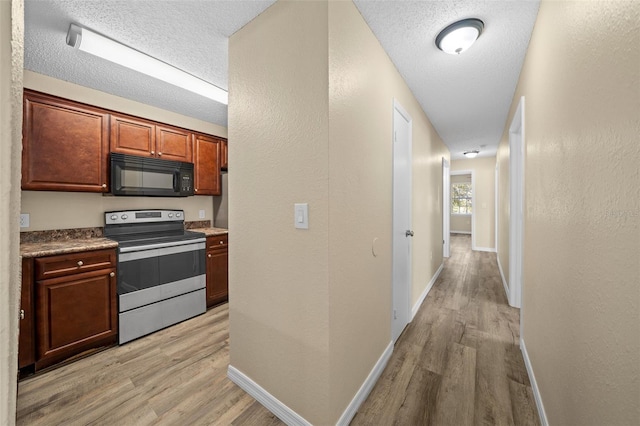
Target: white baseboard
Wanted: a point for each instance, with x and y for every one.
(290, 417)
(366, 387)
(426, 291)
(460, 232)
(270, 402)
(489, 249)
(534, 384)
(504, 281)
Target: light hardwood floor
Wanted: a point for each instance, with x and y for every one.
(457, 363)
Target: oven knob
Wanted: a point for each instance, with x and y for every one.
(178, 214)
(114, 217)
(170, 215)
(124, 217)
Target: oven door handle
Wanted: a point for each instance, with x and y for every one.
(161, 245)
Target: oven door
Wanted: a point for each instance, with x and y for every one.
(151, 273)
(132, 175)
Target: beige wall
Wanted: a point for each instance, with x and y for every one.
(581, 300)
(11, 54)
(484, 169)
(63, 210)
(311, 94)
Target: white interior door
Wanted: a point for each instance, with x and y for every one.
(516, 205)
(402, 233)
(446, 208)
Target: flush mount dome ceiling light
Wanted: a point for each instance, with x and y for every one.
(471, 154)
(105, 48)
(459, 36)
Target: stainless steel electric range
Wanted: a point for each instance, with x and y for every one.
(161, 270)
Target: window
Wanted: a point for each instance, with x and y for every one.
(461, 198)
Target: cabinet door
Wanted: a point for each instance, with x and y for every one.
(65, 145)
(224, 155)
(207, 165)
(217, 276)
(130, 135)
(26, 344)
(174, 144)
(75, 313)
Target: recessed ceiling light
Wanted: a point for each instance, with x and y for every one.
(105, 48)
(471, 154)
(459, 36)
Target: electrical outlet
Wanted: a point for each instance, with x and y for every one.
(24, 220)
(201, 214)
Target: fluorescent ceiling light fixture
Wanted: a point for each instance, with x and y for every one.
(459, 36)
(105, 48)
(471, 154)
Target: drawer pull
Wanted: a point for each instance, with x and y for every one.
(80, 263)
(112, 274)
(221, 242)
(159, 154)
(153, 152)
(21, 314)
(209, 255)
(104, 185)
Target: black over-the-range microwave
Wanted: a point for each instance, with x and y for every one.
(133, 175)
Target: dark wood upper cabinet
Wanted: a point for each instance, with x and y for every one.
(224, 155)
(207, 164)
(135, 136)
(65, 145)
(132, 136)
(173, 143)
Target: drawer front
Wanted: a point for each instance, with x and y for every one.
(218, 242)
(72, 263)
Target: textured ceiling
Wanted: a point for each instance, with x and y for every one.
(190, 35)
(467, 97)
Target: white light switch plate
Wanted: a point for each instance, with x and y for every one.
(24, 220)
(301, 215)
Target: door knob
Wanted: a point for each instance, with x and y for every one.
(409, 233)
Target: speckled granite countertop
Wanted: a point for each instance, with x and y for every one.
(63, 246)
(211, 232)
(49, 243)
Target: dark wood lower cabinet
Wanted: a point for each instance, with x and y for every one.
(217, 270)
(74, 308)
(26, 342)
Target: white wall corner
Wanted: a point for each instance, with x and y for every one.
(366, 387)
(487, 249)
(270, 402)
(426, 291)
(534, 385)
(504, 281)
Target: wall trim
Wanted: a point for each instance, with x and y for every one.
(504, 281)
(269, 401)
(460, 232)
(487, 249)
(426, 291)
(366, 387)
(534, 384)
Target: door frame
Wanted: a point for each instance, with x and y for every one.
(516, 205)
(401, 290)
(473, 202)
(446, 208)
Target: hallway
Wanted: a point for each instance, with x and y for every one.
(459, 361)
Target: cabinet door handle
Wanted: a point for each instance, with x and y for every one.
(209, 255)
(196, 189)
(112, 274)
(80, 263)
(221, 242)
(21, 314)
(153, 152)
(159, 154)
(104, 185)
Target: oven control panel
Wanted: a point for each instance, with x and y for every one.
(143, 216)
